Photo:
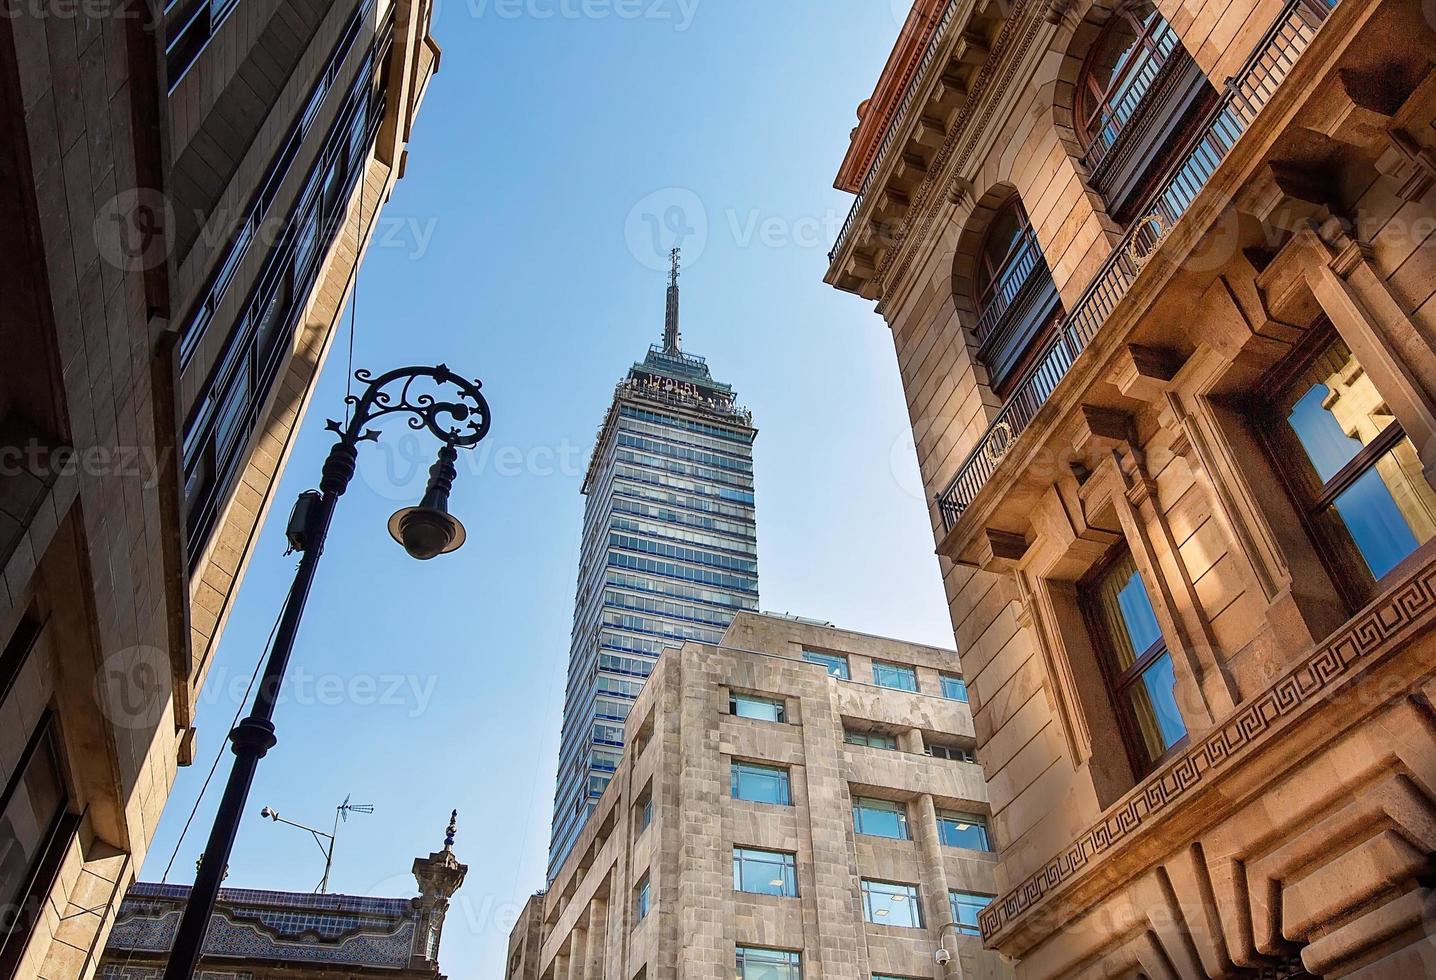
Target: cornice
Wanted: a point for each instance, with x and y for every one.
(944, 183)
(887, 95)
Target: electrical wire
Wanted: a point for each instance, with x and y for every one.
(219, 754)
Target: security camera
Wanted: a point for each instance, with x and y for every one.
(942, 956)
(271, 814)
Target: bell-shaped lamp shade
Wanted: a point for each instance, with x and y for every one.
(429, 530)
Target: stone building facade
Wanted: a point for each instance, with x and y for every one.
(183, 205)
(797, 800)
(1162, 285)
(268, 935)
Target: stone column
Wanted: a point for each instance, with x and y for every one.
(1385, 341)
(578, 955)
(597, 940)
(937, 910)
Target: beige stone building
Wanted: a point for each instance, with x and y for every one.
(183, 202)
(796, 801)
(1161, 279)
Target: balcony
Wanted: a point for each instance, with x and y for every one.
(1017, 305)
(1207, 145)
(1131, 133)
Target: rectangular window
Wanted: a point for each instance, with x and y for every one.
(761, 784)
(954, 688)
(962, 830)
(953, 753)
(33, 817)
(641, 898)
(645, 811)
(875, 740)
(764, 872)
(768, 964)
(965, 908)
(752, 706)
(1136, 663)
(888, 903)
(835, 663)
(894, 676)
(880, 818)
(1355, 475)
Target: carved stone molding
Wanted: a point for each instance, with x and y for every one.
(1420, 173)
(971, 121)
(1406, 610)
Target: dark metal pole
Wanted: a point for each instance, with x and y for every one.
(254, 736)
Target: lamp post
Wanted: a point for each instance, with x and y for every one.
(432, 398)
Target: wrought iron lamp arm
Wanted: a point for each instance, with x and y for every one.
(448, 405)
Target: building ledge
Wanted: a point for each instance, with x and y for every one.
(1296, 719)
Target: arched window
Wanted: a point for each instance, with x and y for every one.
(1137, 89)
(1015, 298)
(1120, 69)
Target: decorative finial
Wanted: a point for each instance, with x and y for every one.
(451, 830)
(670, 320)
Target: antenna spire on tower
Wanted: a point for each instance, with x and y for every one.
(670, 320)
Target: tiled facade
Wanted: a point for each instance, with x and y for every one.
(650, 887)
(183, 205)
(1236, 222)
(266, 935)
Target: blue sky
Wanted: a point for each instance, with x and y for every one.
(521, 248)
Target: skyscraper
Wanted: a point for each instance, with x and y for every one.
(669, 553)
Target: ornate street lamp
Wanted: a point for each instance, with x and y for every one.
(432, 398)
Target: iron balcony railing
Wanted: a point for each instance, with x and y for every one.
(934, 45)
(1135, 80)
(1007, 283)
(1246, 94)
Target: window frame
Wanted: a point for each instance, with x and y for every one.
(899, 808)
(913, 900)
(972, 819)
(788, 865)
(779, 705)
(888, 665)
(829, 661)
(944, 678)
(988, 275)
(792, 965)
(644, 806)
(854, 737)
(944, 750)
(962, 928)
(642, 898)
(1014, 321)
(1089, 100)
(736, 766)
(1312, 499)
(54, 842)
(1119, 682)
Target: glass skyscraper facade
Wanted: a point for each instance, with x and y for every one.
(669, 554)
